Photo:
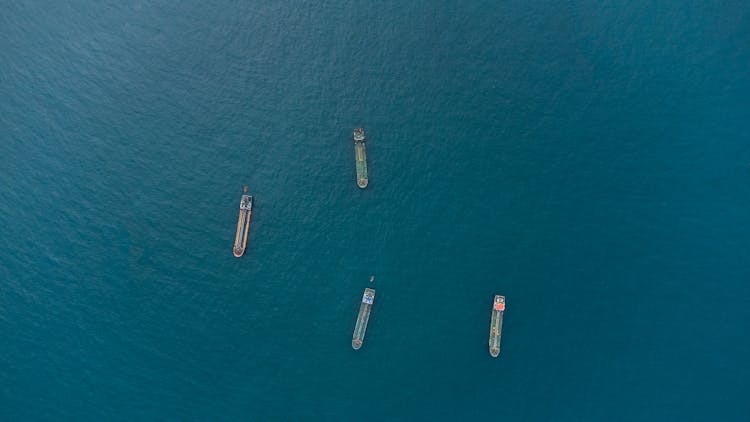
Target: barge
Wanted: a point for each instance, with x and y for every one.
(360, 157)
(243, 224)
(364, 316)
(496, 325)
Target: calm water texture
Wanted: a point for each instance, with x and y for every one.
(589, 160)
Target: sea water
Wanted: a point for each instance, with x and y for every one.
(588, 160)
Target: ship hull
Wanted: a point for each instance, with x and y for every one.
(360, 328)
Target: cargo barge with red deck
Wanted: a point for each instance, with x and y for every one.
(496, 324)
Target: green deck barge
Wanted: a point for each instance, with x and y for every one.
(360, 157)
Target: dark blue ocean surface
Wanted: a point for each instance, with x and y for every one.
(589, 160)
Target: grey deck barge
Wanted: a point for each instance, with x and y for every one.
(364, 316)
